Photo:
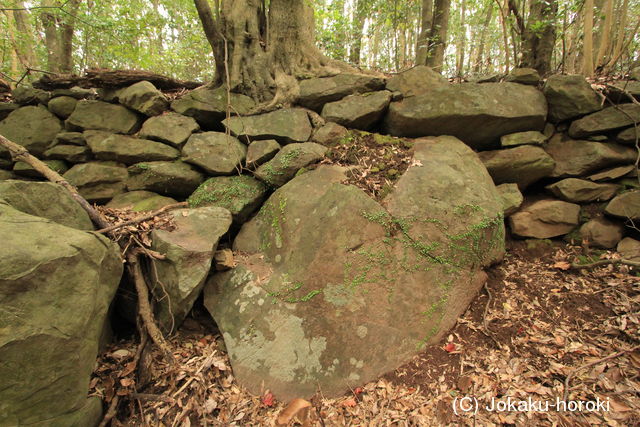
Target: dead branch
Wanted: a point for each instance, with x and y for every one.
(111, 412)
(144, 217)
(567, 380)
(600, 263)
(111, 79)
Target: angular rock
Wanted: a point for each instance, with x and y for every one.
(361, 111)
(241, 195)
(69, 138)
(478, 114)
(262, 151)
(98, 181)
(7, 108)
(611, 174)
(175, 179)
(171, 128)
(549, 130)
(579, 158)
(418, 80)
(26, 170)
(532, 137)
(144, 98)
(76, 92)
(581, 191)
(288, 161)
(570, 97)
(54, 302)
(522, 165)
(622, 91)
(5, 175)
(70, 153)
(215, 152)
(98, 115)
(545, 219)
(189, 249)
(602, 233)
(139, 201)
(316, 92)
(609, 119)
(328, 276)
(629, 249)
(490, 78)
(126, 149)
(328, 133)
(46, 200)
(28, 95)
(209, 106)
(285, 126)
(32, 127)
(525, 76)
(625, 205)
(511, 198)
(628, 136)
(62, 106)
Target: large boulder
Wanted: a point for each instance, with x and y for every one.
(316, 92)
(609, 119)
(602, 233)
(126, 149)
(171, 128)
(478, 114)
(418, 80)
(522, 165)
(241, 195)
(544, 219)
(579, 158)
(215, 152)
(98, 181)
(625, 205)
(285, 126)
(54, 303)
(209, 106)
(139, 201)
(289, 160)
(188, 249)
(582, 191)
(174, 179)
(98, 115)
(46, 200)
(144, 97)
(360, 111)
(33, 127)
(570, 97)
(333, 289)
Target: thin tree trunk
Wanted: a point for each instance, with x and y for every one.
(67, 28)
(540, 35)
(357, 25)
(51, 36)
(605, 39)
(426, 23)
(617, 50)
(505, 36)
(587, 48)
(13, 52)
(439, 34)
(461, 40)
(483, 35)
(25, 51)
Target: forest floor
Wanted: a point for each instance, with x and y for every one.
(541, 326)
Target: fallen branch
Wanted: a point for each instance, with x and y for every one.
(485, 326)
(588, 365)
(111, 79)
(144, 217)
(111, 412)
(600, 263)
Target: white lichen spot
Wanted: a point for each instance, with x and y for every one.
(362, 331)
(333, 211)
(354, 377)
(261, 301)
(278, 258)
(243, 305)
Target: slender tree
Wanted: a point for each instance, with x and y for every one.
(587, 44)
(604, 49)
(426, 24)
(357, 26)
(477, 66)
(438, 34)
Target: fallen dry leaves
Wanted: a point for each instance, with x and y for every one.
(545, 325)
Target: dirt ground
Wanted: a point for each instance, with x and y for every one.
(536, 331)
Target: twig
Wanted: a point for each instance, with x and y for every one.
(111, 412)
(207, 362)
(588, 365)
(485, 326)
(153, 397)
(600, 263)
(143, 217)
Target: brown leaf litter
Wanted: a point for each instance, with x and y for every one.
(544, 324)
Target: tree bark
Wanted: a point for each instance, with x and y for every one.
(67, 28)
(587, 46)
(617, 50)
(604, 48)
(477, 67)
(426, 23)
(439, 34)
(461, 40)
(505, 36)
(50, 36)
(539, 36)
(25, 50)
(357, 27)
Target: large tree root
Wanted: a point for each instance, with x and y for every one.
(19, 153)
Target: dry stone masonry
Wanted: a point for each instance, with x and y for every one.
(332, 287)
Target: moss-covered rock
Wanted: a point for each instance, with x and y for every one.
(285, 126)
(262, 151)
(215, 152)
(126, 149)
(33, 127)
(288, 161)
(174, 179)
(139, 201)
(98, 181)
(144, 98)
(62, 106)
(171, 128)
(98, 115)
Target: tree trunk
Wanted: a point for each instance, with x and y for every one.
(587, 46)
(438, 34)
(66, 37)
(51, 36)
(604, 49)
(357, 25)
(461, 40)
(540, 36)
(426, 23)
(505, 36)
(617, 50)
(25, 49)
(477, 67)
